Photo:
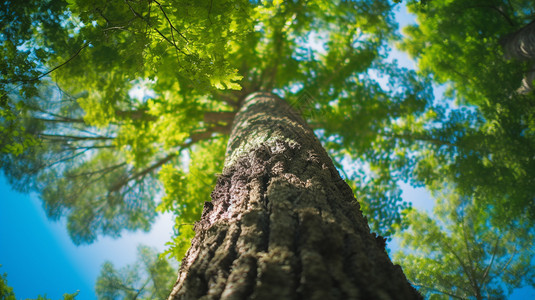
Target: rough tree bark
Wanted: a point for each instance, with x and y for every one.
(282, 223)
(520, 45)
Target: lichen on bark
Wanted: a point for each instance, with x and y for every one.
(282, 223)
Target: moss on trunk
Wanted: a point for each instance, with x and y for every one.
(282, 223)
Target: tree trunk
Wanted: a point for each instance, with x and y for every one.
(282, 223)
(520, 45)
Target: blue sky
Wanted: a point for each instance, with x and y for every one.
(30, 252)
(39, 257)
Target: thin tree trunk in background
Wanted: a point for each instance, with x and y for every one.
(282, 223)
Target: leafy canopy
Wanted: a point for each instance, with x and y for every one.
(463, 253)
(478, 245)
(482, 52)
(126, 95)
(76, 64)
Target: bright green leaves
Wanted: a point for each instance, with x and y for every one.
(185, 193)
(181, 241)
(202, 57)
(151, 277)
(174, 181)
(15, 139)
(98, 170)
(463, 252)
(225, 81)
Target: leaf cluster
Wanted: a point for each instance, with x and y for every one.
(185, 192)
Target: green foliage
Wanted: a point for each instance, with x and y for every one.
(15, 139)
(185, 193)
(72, 66)
(74, 131)
(484, 140)
(151, 277)
(464, 253)
(465, 51)
(102, 146)
(6, 292)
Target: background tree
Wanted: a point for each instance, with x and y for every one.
(151, 277)
(486, 135)
(463, 253)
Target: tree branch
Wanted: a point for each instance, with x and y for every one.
(501, 12)
(100, 171)
(194, 138)
(438, 291)
(494, 252)
(65, 159)
(169, 21)
(509, 261)
(465, 269)
(475, 284)
(50, 71)
(137, 114)
(72, 137)
(62, 120)
(219, 116)
(155, 29)
(142, 173)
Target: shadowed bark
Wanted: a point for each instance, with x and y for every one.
(520, 45)
(282, 223)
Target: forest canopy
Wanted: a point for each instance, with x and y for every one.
(116, 111)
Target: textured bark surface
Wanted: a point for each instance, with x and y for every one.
(521, 45)
(282, 223)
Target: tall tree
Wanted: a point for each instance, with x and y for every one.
(462, 252)
(102, 145)
(482, 51)
(282, 223)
